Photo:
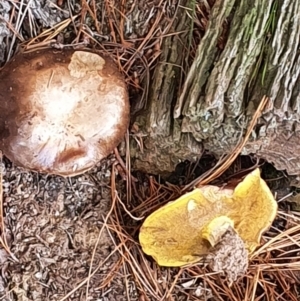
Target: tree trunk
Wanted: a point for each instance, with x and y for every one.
(210, 107)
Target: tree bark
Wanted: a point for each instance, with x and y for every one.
(210, 107)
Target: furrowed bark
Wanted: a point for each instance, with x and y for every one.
(222, 89)
(163, 144)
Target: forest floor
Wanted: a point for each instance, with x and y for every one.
(77, 238)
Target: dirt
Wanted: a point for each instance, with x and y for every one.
(53, 225)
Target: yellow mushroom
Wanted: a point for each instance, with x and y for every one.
(214, 231)
(185, 230)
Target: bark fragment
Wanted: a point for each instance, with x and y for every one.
(164, 145)
(222, 89)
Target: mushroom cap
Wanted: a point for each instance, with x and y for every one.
(184, 231)
(62, 111)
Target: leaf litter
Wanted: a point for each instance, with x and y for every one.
(52, 226)
(70, 236)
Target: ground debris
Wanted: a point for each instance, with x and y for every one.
(4, 30)
(52, 225)
(47, 12)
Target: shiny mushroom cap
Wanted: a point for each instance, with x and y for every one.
(62, 111)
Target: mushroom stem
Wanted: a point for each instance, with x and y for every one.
(229, 256)
(215, 230)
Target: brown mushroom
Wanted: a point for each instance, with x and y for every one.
(62, 111)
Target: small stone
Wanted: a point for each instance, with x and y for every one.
(38, 275)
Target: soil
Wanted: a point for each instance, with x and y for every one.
(52, 226)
